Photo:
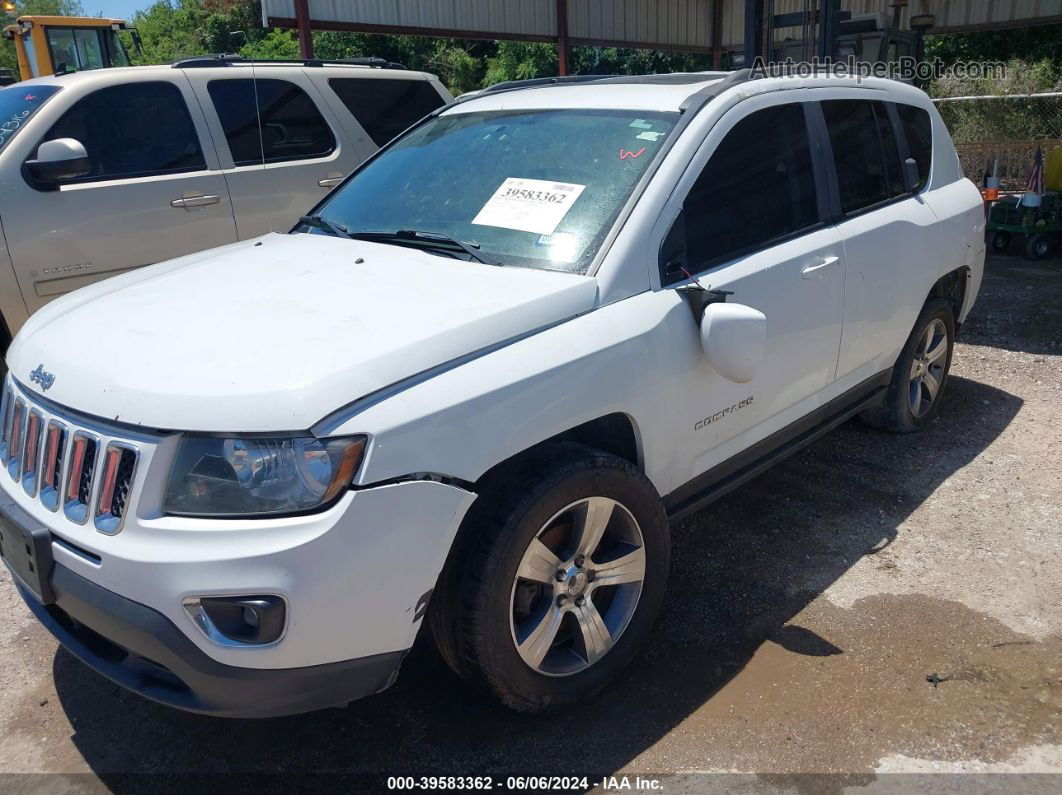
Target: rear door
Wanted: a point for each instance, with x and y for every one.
(891, 236)
(280, 146)
(155, 190)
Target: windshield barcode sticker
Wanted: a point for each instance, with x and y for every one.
(529, 205)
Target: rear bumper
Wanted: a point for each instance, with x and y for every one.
(139, 648)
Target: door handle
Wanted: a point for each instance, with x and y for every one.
(331, 182)
(811, 270)
(195, 201)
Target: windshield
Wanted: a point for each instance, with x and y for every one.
(537, 188)
(17, 104)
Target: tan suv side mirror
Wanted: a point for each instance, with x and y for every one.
(59, 159)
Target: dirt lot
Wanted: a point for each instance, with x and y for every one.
(808, 612)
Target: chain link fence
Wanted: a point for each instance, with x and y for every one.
(1003, 132)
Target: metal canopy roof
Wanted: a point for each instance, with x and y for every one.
(689, 25)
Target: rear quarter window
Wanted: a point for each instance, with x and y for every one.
(918, 129)
(386, 107)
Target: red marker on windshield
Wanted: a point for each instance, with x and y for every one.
(624, 154)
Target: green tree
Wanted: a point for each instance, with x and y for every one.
(277, 45)
(1027, 44)
(520, 60)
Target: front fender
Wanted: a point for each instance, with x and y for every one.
(463, 421)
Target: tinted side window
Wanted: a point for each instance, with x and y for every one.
(133, 130)
(291, 127)
(864, 151)
(386, 107)
(757, 186)
(918, 130)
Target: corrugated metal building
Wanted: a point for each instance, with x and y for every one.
(691, 25)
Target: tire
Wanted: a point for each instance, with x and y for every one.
(501, 598)
(999, 242)
(910, 401)
(1039, 246)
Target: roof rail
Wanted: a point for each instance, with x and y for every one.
(698, 99)
(226, 59)
(511, 85)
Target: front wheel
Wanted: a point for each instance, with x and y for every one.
(916, 388)
(561, 583)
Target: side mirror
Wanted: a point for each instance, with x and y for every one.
(734, 338)
(912, 180)
(63, 158)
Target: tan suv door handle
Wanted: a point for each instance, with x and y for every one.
(330, 182)
(195, 201)
(811, 270)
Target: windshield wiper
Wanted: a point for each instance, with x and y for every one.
(317, 222)
(433, 240)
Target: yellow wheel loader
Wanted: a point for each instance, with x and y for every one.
(55, 45)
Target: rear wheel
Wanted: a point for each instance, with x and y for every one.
(920, 374)
(561, 583)
(1039, 246)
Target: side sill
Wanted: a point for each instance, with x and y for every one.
(727, 476)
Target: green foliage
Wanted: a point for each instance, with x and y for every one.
(1033, 58)
(1021, 119)
(172, 29)
(613, 60)
(519, 60)
(1019, 77)
(1027, 44)
(461, 65)
(278, 45)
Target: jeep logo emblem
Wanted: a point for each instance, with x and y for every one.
(42, 377)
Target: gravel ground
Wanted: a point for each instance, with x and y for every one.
(808, 613)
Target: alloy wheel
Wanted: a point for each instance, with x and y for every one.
(577, 586)
(928, 367)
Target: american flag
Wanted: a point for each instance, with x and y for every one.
(1036, 176)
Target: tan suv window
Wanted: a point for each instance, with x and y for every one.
(133, 130)
(386, 107)
(291, 126)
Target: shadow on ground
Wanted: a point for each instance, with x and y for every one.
(741, 570)
(1019, 307)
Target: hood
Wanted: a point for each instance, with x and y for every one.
(274, 334)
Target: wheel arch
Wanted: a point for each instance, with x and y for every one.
(615, 433)
(952, 287)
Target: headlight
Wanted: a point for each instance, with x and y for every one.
(248, 476)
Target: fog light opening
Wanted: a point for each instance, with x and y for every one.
(256, 620)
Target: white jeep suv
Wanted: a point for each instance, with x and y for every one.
(473, 385)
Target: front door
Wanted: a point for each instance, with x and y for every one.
(753, 224)
(154, 192)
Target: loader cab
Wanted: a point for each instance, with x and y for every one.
(56, 45)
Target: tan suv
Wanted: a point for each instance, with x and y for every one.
(105, 171)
